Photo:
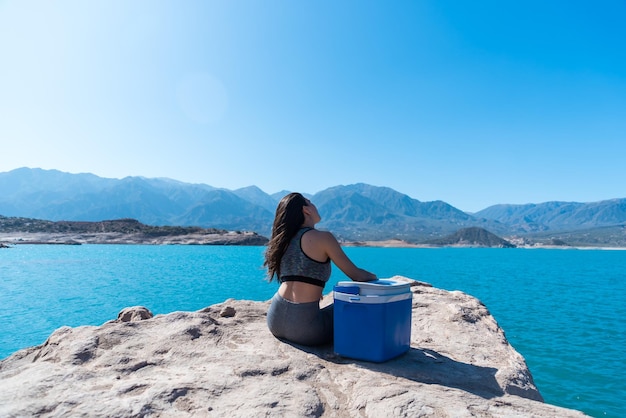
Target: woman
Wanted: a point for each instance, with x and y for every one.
(299, 256)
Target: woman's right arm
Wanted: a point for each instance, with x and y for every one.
(341, 260)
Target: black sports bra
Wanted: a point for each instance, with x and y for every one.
(296, 266)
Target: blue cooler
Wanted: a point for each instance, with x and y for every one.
(372, 319)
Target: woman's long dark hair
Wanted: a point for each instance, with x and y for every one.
(288, 220)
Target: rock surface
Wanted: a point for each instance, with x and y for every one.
(118, 231)
(72, 238)
(222, 361)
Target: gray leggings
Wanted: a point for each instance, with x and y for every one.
(301, 323)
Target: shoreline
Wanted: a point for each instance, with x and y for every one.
(404, 244)
(7, 240)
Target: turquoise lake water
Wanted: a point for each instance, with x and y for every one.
(563, 310)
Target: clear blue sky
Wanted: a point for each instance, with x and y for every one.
(473, 103)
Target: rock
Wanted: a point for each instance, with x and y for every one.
(134, 313)
(223, 361)
(228, 312)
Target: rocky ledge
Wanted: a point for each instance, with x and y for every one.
(222, 361)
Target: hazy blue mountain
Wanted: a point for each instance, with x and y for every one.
(279, 195)
(365, 212)
(258, 197)
(550, 216)
(226, 210)
(400, 204)
(353, 212)
(25, 190)
(25, 181)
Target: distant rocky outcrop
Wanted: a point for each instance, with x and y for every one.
(120, 231)
(222, 361)
(472, 237)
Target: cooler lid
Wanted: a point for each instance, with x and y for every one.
(376, 287)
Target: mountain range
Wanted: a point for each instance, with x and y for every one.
(357, 212)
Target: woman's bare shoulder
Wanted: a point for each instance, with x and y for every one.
(317, 234)
(324, 236)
